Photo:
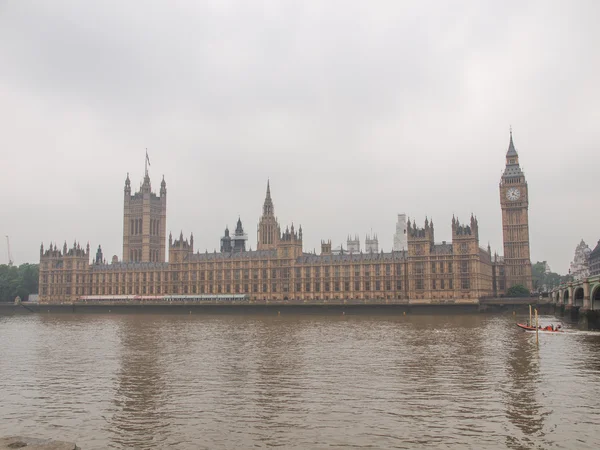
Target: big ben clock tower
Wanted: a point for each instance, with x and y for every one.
(514, 200)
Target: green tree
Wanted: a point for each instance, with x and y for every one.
(518, 290)
(538, 273)
(543, 278)
(18, 281)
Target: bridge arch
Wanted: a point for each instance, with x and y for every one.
(578, 296)
(566, 296)
(595, 297)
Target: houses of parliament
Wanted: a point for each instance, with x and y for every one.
(459, 271)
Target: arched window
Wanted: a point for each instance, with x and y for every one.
(131, 226)
(140, 226)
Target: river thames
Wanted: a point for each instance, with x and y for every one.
(147, 381)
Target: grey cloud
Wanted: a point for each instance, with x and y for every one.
(356, 111)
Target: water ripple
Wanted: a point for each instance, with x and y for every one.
(188, 382)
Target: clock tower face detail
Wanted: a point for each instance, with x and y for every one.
(514, 200)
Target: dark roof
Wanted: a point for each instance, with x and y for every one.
(254, 254)
(130, 266)
(512, 170)
(511, 148)
(442, 249)
(596, 252)
(311, 258)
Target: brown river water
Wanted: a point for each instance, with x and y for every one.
(146, 381)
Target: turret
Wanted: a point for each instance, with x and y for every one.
(180, 249)
(163, 187)
(420, 240)
(459, 230)
(99, 257)
(238, 241)
(268, 232)
(268, 208)
(465, 238)
(226, 242)
(127, 189)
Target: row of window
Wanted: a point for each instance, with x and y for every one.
(465, 283)
(135, 255)
(136, 227)
(202, 276)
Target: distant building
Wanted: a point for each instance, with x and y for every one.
(400, 241)
(339, 250)
(594, 260)
(580, 266)
(353, 245)
(371, 244)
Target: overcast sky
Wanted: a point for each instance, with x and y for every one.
(355, 111)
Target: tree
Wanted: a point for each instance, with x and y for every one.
(518, 290)
(18, 281)
(544, 279)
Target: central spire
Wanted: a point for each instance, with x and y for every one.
(268, 208)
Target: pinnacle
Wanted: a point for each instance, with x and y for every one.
(511, 146)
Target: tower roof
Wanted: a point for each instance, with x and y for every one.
(238, 228)
(512, 161)
(268, 205)
(511, 147)
(596, 252)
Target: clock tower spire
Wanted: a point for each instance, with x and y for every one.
(514, 201)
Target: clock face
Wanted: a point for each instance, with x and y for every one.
(513, 194)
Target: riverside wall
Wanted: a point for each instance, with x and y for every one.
(500, 305)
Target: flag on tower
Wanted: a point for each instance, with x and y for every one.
(147, 159)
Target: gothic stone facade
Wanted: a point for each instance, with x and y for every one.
(459, 270)
(514, 200)
(279, 270)
(144, 223)
(427, 271)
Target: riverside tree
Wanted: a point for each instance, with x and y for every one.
(18, 281)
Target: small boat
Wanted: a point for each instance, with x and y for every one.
(547, 329)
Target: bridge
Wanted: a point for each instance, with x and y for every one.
(580, 299)
(581, 294)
